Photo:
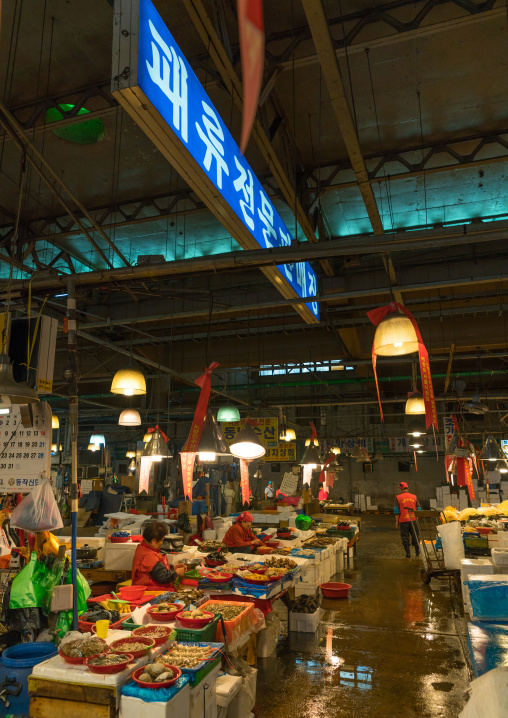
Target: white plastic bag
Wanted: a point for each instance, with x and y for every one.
(453, 546)
(38, 511)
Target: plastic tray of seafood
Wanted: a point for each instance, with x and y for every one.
(189, 656)
(238, 617)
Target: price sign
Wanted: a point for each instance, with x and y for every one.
(25, 453)
(289, 484)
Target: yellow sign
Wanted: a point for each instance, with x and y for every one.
(266, 428)
(285, 451)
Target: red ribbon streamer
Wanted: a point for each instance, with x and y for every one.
(252, 50)
(189, 449)
(157, 428)
(244, 481)
(376, 316)
(322, 476)
(313, 433)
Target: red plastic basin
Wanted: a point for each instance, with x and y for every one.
(335, 590)
(165, 684)
(132, 593)
(484, 530)
(109, 670)
(117, 646)
(195, 622)
(119, 539)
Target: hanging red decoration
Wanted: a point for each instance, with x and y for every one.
(252, 50)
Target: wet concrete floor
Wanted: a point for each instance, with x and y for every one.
(395, 648)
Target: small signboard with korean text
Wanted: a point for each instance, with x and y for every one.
(155, 84)
(289, 484)
(284, 451)
(25, 453)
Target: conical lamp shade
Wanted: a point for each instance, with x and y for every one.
(17, 393)
(379, 456)
(491, 450)
(147, 437)
(502, 467)
(454, 442)
(212, 443)
(129, 382)
(129, 417)
(416, 428)
(357, 453)
(246, 444)
(157, 449)
(55, 423)
(335, 450)
(395, 336)
(228, 413)
(415, 405)
(311, 456)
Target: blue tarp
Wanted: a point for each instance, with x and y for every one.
(154, 695)
(488, 646)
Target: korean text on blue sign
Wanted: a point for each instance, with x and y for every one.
(170, 84)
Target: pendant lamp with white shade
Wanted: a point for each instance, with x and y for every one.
(287, 434)
(415, 405)
(246, 444)
(129, 382)
(55, 423)
(129, 417)
(395, 336)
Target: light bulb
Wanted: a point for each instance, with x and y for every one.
(416, 433)
(129, 391)
(397, 344)
(4, 410)
(206, 456)
(156, 458)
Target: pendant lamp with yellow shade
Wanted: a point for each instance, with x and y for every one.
(129, 382)
(395, 336)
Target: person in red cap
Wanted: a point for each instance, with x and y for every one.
(404, 510)
(240, 538)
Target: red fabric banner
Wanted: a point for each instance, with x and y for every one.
(322, 477)
(157, 428)
(252, 50)
(376, 316)
(189, 449)
(244, 481)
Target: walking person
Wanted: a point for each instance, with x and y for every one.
(404, 510)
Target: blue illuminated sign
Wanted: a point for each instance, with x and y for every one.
(170, 84)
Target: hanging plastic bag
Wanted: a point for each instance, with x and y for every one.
(183, 523)
(38, 511)
(27, 589)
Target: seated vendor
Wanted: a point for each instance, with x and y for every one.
(239, 537)
(150, 567)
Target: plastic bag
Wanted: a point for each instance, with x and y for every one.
(453, 546)
(38, 511)
(183, 523)
(303, 522)
(27, 589)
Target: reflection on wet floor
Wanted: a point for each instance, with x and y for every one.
(391, 649)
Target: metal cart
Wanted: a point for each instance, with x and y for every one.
(424, 524)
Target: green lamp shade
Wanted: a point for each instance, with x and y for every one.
(87, 132)
(228, 413)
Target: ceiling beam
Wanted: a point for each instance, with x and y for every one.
(474, 233)
(208, 35)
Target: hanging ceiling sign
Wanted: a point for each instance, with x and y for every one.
(156, 85)
(25, 452)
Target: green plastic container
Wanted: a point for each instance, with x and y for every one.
(198, 677)
(198, 635)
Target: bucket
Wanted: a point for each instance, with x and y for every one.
(16, 665)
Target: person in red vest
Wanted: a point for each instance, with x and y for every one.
(239, 537)
(404, 510)
(150, 567)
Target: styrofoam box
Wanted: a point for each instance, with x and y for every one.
(339, 562)
(305, 622)
(470, 567)
(310, 574)
(179, 705)
(119, 556)
(500, 559)
(242, 704)
(226, 688)
(203, 703)
(209, 534)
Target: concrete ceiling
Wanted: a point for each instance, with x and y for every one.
(427, 93)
